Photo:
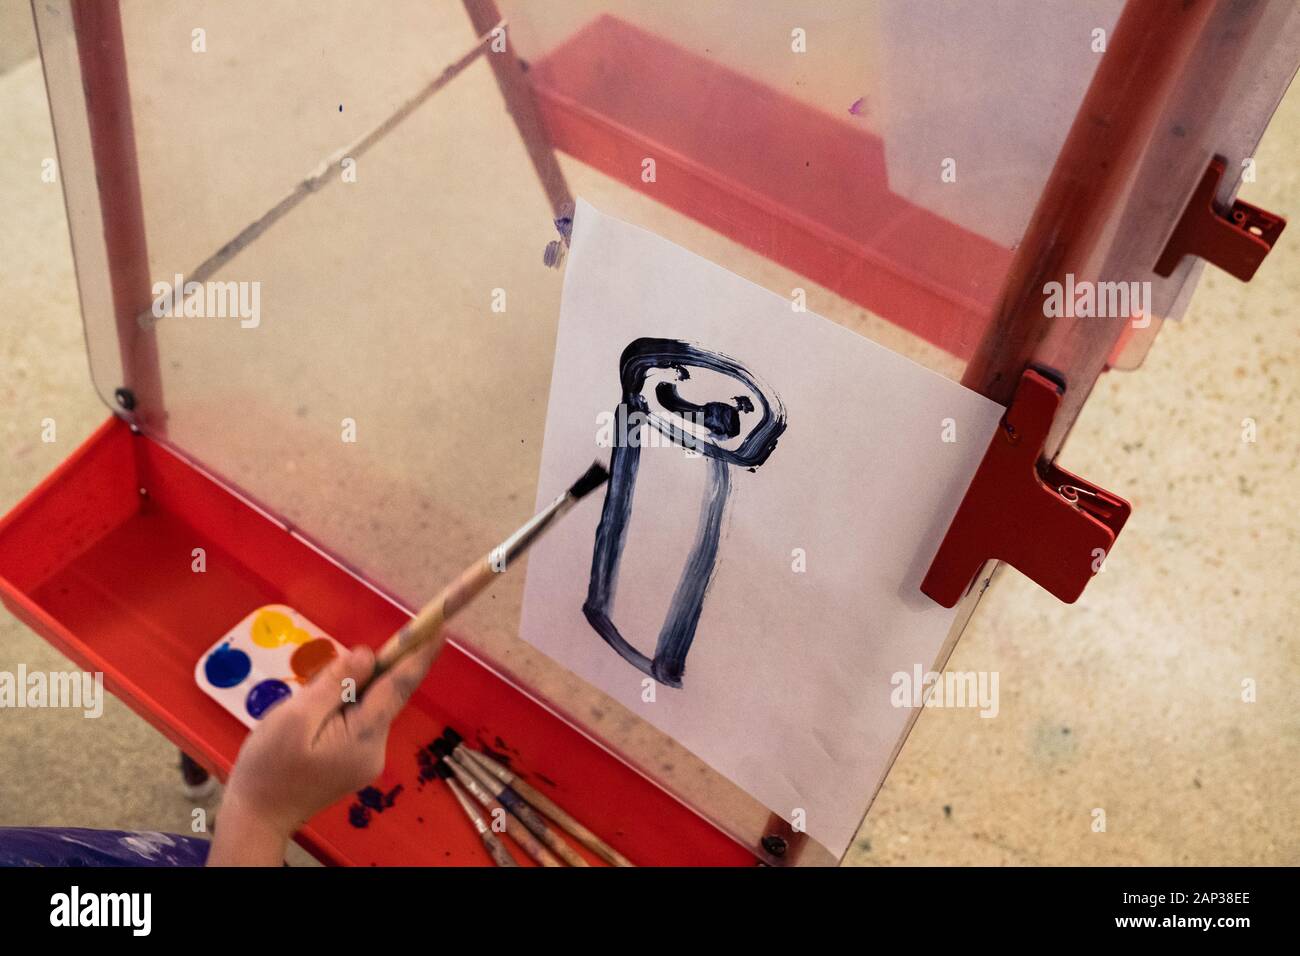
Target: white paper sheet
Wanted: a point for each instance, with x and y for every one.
(813, 600)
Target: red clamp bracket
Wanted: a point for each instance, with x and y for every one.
(1048, 524)
(1236, 241)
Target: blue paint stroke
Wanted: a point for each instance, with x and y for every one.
(264, 696)
(226, 666)
(723, 422)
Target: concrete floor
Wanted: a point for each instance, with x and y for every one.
(1128, 701)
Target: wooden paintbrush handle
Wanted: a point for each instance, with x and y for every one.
(517, 831)
(521, 835)
(566, 822)
(497, 850)
(531, 819)
(547, 807)
(427, 624)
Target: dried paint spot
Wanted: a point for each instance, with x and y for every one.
(371, 800)
(551, 254)
(358, 816)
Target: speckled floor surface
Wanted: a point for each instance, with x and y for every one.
(1128, 702)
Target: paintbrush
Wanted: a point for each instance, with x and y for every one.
(539, 801)
(427, 624)
(517, 831)
(496, 849)
(511, 800)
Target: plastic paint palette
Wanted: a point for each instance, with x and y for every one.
(266, 657)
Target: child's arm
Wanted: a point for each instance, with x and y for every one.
(308, 752)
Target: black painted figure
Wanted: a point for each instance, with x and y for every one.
(717, 423)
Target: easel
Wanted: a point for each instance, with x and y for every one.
(1150, 48)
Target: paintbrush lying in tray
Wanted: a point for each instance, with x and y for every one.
(525, 814)
(525, 800)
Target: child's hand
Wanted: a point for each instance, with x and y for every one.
(308, 752)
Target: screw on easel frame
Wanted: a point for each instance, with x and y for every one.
(126, 398)
(774, 844)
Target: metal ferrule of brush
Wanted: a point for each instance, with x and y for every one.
(518, 542)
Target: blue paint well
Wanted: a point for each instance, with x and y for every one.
(226, 666)
(264, 695)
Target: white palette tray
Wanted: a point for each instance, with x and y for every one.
(265, 658)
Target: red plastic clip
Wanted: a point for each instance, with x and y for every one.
(1236, 241)
(1048, 524)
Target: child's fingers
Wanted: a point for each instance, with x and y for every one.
(324, 694)
(389, 694)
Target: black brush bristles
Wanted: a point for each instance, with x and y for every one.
(443, 770)
(591, 479)
(440, 748)
(453, 739)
